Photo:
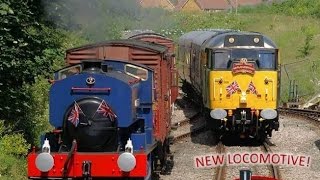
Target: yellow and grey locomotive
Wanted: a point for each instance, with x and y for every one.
(235, 76)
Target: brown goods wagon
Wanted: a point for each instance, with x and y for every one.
(160, 39)
(155, 56)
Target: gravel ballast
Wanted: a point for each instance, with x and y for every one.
(296, 136)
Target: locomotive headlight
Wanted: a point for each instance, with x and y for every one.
(268, 113)
(256, 40)
(231, 40)
(126, 162)
(218, 113)
(44, 162)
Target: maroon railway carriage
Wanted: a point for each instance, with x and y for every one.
(160, 39)
(136, 51)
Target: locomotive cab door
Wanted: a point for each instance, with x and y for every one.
(205, 76)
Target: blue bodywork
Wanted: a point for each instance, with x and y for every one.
(124, 92)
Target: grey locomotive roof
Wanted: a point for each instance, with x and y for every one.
(197, 37)
(189, 37)
(125, 42)
(218, 40)
(215, 38)
(200, 36)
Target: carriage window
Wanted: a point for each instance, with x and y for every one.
(136, 72)
(69, 71)
(266, 60)
(221, 60)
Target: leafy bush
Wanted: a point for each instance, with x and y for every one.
(13, 148)
(12, 167)
(14, 144)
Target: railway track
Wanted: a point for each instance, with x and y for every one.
(221, 171)
(274, 170)
(305, 113)
(192, 130)
(187, 120)
(310, 114)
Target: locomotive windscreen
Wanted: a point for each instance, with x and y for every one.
(263, 59)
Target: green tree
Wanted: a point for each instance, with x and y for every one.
(28, 49)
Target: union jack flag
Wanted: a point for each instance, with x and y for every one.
(75, 114)
(106, 111)
(252, 88)
(232, 88)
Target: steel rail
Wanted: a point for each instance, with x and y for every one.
(188, 134)
(187, 120)
(275, 172)
(220, 170)
(306, 113)
(193, 131)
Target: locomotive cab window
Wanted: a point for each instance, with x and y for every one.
(263, 59)
(266, 60)
(69, 71)
(237, 54)
(136, 72)
(221, 60)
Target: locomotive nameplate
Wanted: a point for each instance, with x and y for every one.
(243, 67)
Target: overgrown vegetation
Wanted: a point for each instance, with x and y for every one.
(299, 8)
(13, 148)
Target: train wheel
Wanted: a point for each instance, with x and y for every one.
(211, 124)
(269, 131)
(161, 157)
(167, 158)
(216, 136)
(262, 135)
